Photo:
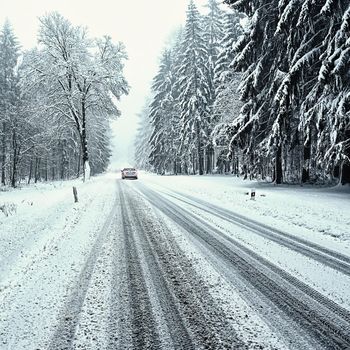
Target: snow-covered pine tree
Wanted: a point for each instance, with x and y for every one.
(17, 128)
(280, 67)
(227, 104)
(232, 31)
(213, 33)
(326, 109)
(260, 54)
(226, 110)
(181, 160)
(303, 46)
(296, 81)
(142, 140)
(194, 89)
(163, 111)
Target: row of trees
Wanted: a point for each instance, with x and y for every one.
(193, 75)
(56, 101)
(292, 74)
(296, 117)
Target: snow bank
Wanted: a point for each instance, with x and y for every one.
(321, 215)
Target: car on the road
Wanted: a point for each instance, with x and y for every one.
(129, 173)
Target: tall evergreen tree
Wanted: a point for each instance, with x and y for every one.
(290, 83)
(261, 54)
(232, 30)
(142, 141)
(213, 34)
(163, 116)
(227, 104)
(326, 109)
(194, 88)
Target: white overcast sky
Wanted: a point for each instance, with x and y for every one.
(143, 26)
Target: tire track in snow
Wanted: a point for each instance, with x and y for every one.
(337, 261)
(160, 307)
(193, 319)
(144, 334)
(324, 320)
(64, 334)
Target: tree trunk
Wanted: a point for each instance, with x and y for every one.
(278, 166)
(61, 150)
(245, 172)
(345, 173)
(79, 161)
(14, 171)
(86, 164)
(37, 169)
(30, 171)
(209, 162)
(199, 150)
(305, 176)
(193, 164)
(46, 170)
(15, 159)
(3, 158)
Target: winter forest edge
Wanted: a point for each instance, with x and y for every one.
(56, 102)
(266, 100)
(258, 89)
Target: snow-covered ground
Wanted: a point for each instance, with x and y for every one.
(60, 261)
(43, 246)
(41, 213)
(320, 214)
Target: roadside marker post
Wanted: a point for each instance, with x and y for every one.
(252, 194)
(75, 194)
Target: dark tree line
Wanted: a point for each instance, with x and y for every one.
(56, 101)
(291, 67)
(295, 59)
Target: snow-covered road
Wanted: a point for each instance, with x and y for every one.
(150, 264)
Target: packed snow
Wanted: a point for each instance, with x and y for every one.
(46, 239)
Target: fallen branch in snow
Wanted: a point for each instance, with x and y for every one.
(27, 202)
(8, 208)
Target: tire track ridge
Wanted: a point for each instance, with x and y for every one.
(338, 334)
(326, 256)
(188, 295)
(177, 330)
(250, 223)
(144, 332)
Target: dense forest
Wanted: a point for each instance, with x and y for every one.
(260, 89)
(56, 102)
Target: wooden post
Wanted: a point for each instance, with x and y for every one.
(75, 193)
(252, 194)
